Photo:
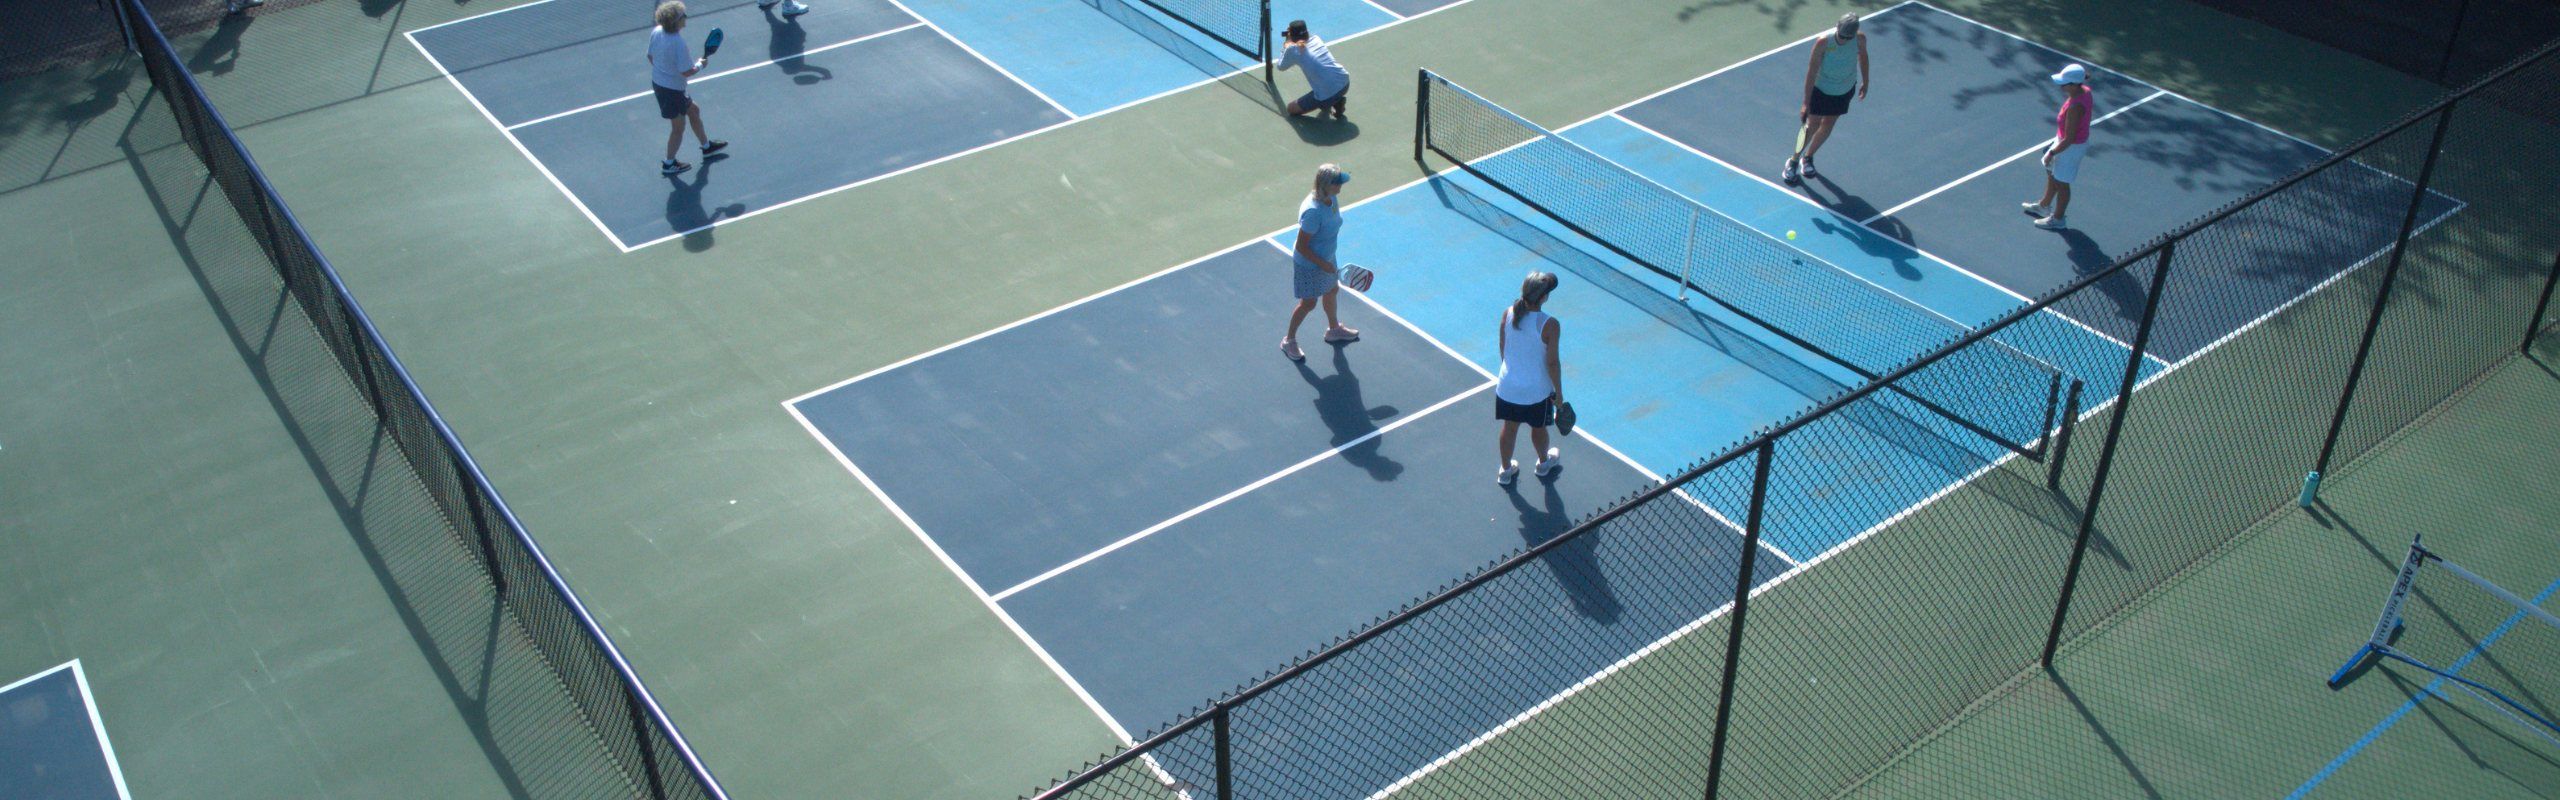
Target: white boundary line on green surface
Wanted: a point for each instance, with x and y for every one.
(97, 724)
(538, 166)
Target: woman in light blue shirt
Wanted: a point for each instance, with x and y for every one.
(1314, 276)
(1839, 68)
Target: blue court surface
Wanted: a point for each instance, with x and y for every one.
(52, 744)
(851, 92)
(1167, 509)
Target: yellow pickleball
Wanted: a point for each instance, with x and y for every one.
(1791, 236)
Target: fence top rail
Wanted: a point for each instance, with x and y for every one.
(462, 460)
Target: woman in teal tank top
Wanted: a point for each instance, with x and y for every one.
(1838, 70)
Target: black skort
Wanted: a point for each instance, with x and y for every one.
(1827, 105)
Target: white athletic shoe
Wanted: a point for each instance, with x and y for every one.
(2053, 223)
(794, 8)
(1508, 474)
(2035, 210)
(1552, 464)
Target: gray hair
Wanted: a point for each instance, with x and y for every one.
(669, 12)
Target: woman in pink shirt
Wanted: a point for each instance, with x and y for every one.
(2070, 142)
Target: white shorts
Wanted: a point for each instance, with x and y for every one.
(2067, 165)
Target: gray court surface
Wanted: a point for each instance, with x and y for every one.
(1044, 442)
(878, 92)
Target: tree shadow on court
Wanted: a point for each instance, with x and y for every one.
(789, 44)
(1349, 417)
(685, 212)
(1576, 563)
(529, 728)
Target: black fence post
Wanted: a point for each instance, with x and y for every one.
(2381, 300)
(1226, 768)
(2107, 451)
(1421, 111)
(2543, 306)
(1742, 585)
(2062, 437)
(648, 749)
(2453, 42)
(1268, 77)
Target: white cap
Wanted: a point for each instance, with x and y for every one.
(2071, 74)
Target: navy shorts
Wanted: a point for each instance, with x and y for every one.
(671, 102)
(1309, 102)
(1536, 415)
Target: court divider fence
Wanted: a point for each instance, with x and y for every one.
(556, 708)
(1768, 671)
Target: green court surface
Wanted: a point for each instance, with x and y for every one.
(2215, 684)
(169, 516)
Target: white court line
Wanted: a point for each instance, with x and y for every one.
(721, 74)
(2031, 149)
(1240, 491)
(974, 589)
(538, 166)
(1072, 118)
(2315, 289)
(97, 724)
(982, 58)
(1593, 438)
(1390, 12)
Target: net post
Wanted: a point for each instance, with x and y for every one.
(1741, 603)
(1268, 76)
(2062, 437)
(2107, 451)
(124, 24)
(2541, 307)
(1218, 727)
(1688, 253)
(2381, 301)
(1422, 113)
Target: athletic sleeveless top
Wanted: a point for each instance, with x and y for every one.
(2063, 129)
(1524, 379)
(1839, 72)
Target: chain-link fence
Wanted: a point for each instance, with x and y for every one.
(556, 708)
(1822, 597)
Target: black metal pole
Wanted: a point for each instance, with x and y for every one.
(1742, 584)
(1226, 768)
(2381, 300)
(2107, 452)
(648, 748)
(2453, 42)
(2543, 306)
(1421, 111)
(1268, 77)
(2062, 436)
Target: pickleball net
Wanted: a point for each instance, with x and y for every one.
(1243, 26)
(1999, 392)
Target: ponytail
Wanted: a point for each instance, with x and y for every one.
(1533, 295)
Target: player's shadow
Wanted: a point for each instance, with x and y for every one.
(1575, 564)
(1349, 417)
(1891, 244)
(1831, 196)
(685, 213)
(2123, 289)
(221, 50)
(1324, 131)
(788, 49)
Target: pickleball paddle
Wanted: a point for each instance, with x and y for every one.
(711, 44)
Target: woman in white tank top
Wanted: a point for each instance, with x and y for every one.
(1531, 384)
